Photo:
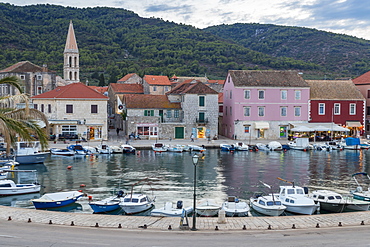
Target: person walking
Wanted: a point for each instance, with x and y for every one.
(117, 130)
(192, 137)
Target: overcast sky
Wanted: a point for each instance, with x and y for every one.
(350, 17)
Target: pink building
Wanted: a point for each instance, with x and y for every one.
(263, 103)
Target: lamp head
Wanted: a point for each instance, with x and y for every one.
(195, 159)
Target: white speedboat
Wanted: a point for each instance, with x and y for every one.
(172, 210)
(28, 153)
(234, 207)
(175, 148)
(241, 146)
(63, 152)
(104, 149)
(78, 149)
(296, 200)
(136, 203)
(261, 146)
(274, 146)
(128, 149)
(359, 193)
(159, 147)
(196, 148)
(329, 200)
(89, 150)
(300, 144)
(9, 187)
(207, 208)
(266, 204)
(116, 149)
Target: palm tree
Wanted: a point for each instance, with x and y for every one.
(20, 123)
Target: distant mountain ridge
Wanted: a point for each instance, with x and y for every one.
(113, 42)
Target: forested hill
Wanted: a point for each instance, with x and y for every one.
(114, 42)
(343, 54)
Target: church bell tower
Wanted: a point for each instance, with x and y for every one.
(71, 70)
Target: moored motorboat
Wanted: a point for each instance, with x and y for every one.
(108, 204)
(274, 146)
(104, 149)
(233, 207)
(78, 149)
(300, 144)
(175, 148)
(136, 203)
(266, 204)
(116, 149)
(196, 148)
(63, 152)
(227, 147)
(207, 208)
(172, 210)
(241, 146)
(9, 187)
(296, 200)
(58, 199)
(359, 193)
(159, 147)
(128, 149)
(329, 200)
(28, 153)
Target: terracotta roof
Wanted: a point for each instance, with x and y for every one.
(220, 97)
(266, 78)
(126, 77)
(25, 66)
(71, 91)
(192, 88)
(157, 80)
(362, 79)
(71, 44)
(217, 81)
(185, 78)
(101, 90)
(334, 90)
(149, 101)
(127, 88)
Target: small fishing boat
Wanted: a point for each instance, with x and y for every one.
(28, 153)
(104, 149)
(207, 208)
(9, 187)
(329, 200)
(359, 193)
(196, 148)
(227, 147)
(128, 149)
(134, 203)
(108, 204)
(159, 147)
(261, 146)
(78, 149)
(90, 150)
(300, 144)
(58, 199)
(241, 146)
(233, 207)
(274, 146)
(296, 200)
(116, 149)
(266, 204)
(172, 210)
(64, 152)
(175, 148)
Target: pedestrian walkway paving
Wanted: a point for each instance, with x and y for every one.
(173, 223)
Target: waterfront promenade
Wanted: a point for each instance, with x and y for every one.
(145, 223)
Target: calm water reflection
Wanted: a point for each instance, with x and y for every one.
(219, 174)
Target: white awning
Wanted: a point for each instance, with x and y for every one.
(353, 124)
(262, 125)
(61, 122)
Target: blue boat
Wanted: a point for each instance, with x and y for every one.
(78, 149)
(108, 204)
(227, 147)
(58, 199)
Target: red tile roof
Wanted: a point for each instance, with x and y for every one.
(126, 77)
(127, 88)
(101, 90)
(71, 91)
(362, 79)
(25, 66)
(217, 81)
(220, 97)
(149, 101)
(157, 80)
(192, 88)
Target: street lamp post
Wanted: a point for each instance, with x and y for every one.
(195, 162)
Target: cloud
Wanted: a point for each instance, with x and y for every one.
(179, 9)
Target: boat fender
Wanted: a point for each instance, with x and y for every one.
(69, 167)
(90, 198)
(82, 185)
(80, 191)
(305, 189)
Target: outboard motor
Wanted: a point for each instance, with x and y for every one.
(305, 189)
(120, 193)
(179, 204)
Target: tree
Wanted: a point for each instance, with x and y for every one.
(20, 123)
(101, 80)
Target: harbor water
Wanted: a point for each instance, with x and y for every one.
(170, 175)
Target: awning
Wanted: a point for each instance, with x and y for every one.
(353, 124)
(63, 122)
(262, 125)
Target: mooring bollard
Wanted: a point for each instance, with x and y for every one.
(269, 227)
(72, 223)
(169, 227)
(10, 218)
(96, 225)
(50, 222)
(216, 229)
(293, 227)
(362, 223)
(119, 225)
(340, 224)
(29, 220)
(317, 225)
(244, 227)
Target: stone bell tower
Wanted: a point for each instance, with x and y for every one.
(71, 70)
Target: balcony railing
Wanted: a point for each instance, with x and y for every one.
(201, 121)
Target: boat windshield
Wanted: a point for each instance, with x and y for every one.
(300, 191)
(131, 200)
(290, 191)
(338, 197)
(278, 203)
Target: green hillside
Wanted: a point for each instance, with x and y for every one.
(115, 42)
